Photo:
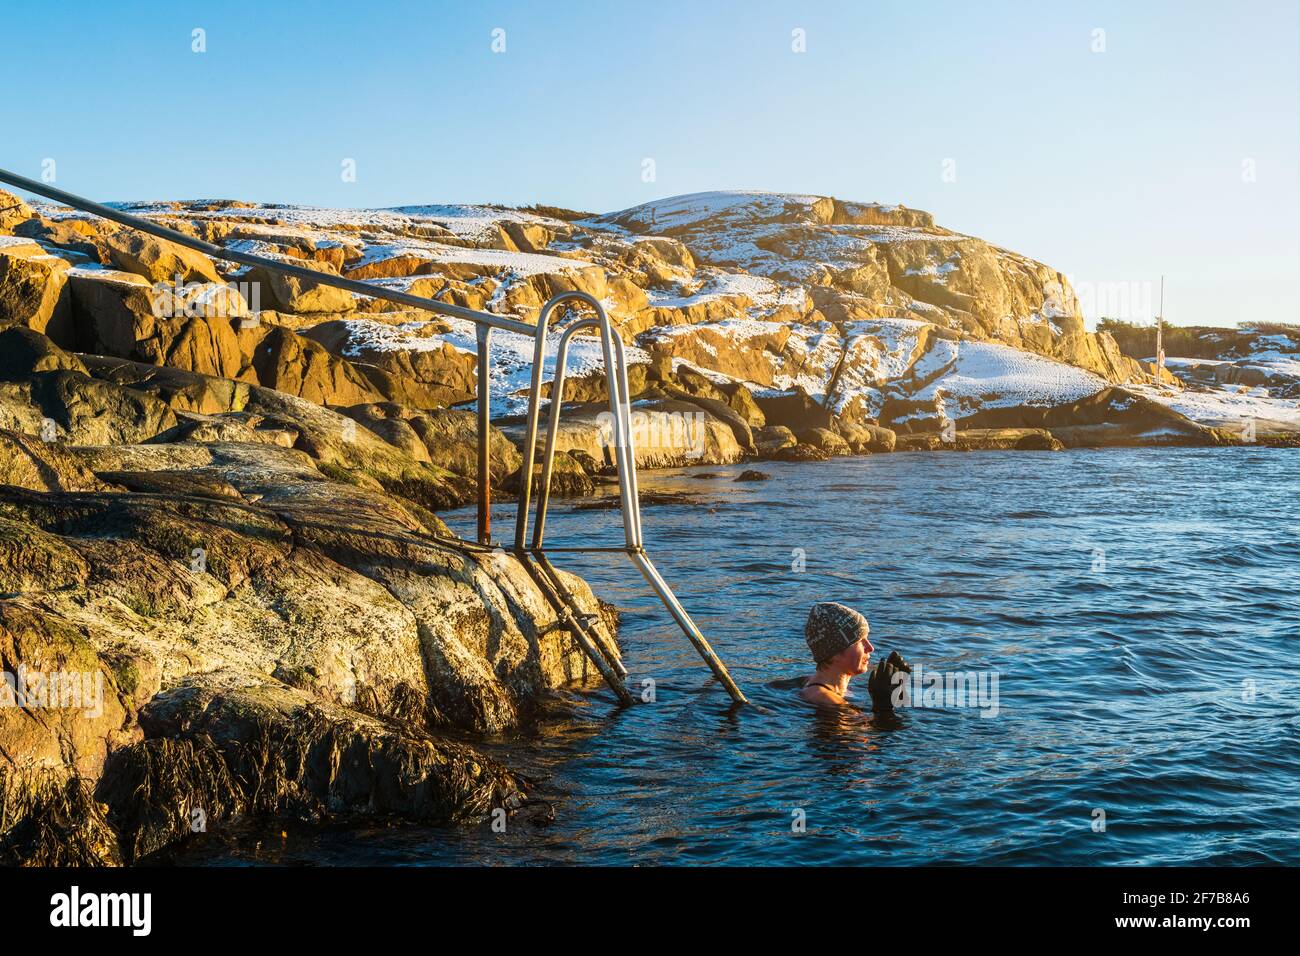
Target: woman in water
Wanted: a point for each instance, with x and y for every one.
(838, 638)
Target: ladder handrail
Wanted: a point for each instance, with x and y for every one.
(625, 458)
(632, 514)
(358, 286)
(617, 405)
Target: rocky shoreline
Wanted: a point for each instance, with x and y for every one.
(207, 615)
(225, 591)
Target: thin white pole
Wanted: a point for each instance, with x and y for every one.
(1160, 338)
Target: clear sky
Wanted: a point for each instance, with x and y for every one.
(1169, 144)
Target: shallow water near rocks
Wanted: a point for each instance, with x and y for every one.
(1141, 609)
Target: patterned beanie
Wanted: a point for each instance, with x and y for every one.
(831, 628)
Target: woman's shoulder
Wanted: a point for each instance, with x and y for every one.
(819, 694)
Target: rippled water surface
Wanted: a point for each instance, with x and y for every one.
(1130, 602)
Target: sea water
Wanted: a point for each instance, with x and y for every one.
(1136, 610)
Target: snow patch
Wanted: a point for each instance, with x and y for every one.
(1225, 405)
(512, 354)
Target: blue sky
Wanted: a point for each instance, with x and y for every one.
(1174, 151)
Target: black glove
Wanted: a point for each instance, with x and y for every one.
(881, 682)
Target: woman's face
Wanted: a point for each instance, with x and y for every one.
(856, 659)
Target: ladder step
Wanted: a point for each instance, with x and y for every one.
(592, 647)
(593, 622)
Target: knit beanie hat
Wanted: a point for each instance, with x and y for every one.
(831, 628)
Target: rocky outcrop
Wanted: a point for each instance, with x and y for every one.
(79, 241)
(866, 439)
(983, 439)
(13, 212)
(211, 620)
(30, 462)
(32, 287)
(795, 410)
(424, 378)
(735, 299)
(1114, 416)
(292, 294)
(863, 306)
(287, 362)
(269, 618)
(773, 439)
(666, 433)
(1254, 355)
(157, 259)
(446, 436)
(882, 262)
(210, 330)
(230, 746)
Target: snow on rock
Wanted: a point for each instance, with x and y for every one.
(678, 212)
(1228, 406)
(1275, 362)
(876, 353)
(1286, 342)
(466, 221)
(864, 363)
(767, 355)
(991, 375)
(517, 264)
(766, 295)
(511, 353)
(936, 270)
(812, 354)
(863, 305)
(1246, 358)
(474, 223)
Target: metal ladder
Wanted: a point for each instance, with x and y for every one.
(625, 463)
(589, 632)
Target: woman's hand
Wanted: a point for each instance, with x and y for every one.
(882, 680)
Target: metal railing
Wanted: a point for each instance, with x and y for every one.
(587, 629)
